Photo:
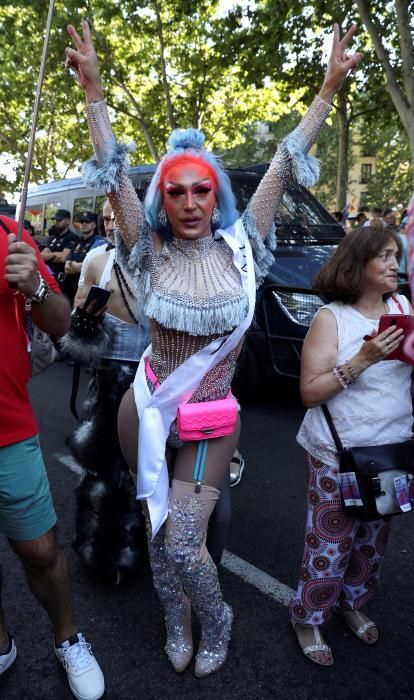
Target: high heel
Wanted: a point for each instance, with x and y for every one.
(179, 646)
(177, 607)
(213, 649)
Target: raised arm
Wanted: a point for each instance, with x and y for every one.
(108, 170)
(291, 162)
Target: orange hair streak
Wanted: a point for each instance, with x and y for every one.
(183, 160)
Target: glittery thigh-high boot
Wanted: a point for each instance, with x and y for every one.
(187, 523)
(177, 607)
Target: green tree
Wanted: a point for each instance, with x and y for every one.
(392, 183)
(288, 39)
(390, 27)
(162, 65)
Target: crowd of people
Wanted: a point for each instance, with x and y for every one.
(377, 217)
(160, 426)
(387, 219)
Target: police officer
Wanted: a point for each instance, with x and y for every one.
(61, 245)
(90, 238)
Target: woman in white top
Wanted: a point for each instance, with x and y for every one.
(370, 404)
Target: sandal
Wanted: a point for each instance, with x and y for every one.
(236, 469)
(359, 625)
(312, 648)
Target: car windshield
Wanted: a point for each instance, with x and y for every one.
(300, 218)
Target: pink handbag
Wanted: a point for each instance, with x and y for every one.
(207, 419)
(202, 420)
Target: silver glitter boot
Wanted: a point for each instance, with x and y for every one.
(185, 540)
(212, 652)
(177, 607)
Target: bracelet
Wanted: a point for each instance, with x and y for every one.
(41, 293)
(353, 374)
(339, 378)
(342, 374)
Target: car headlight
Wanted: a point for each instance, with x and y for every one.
(299, 307)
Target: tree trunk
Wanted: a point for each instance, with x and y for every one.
(398, 77)
(343, 151)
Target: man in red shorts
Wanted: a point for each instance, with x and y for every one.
(27, 516)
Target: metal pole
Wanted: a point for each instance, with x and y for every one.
(29, 160)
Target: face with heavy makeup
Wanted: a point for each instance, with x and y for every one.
(189, 196)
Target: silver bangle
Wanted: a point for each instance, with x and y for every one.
(41, 293)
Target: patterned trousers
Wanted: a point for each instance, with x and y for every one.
(342, 556)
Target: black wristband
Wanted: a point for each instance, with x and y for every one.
(84, 324)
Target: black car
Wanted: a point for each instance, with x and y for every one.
(306, 237)
(7, 209)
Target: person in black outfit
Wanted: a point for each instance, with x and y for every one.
(89, 239)
(62, 243)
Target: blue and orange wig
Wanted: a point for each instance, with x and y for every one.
(188, 146)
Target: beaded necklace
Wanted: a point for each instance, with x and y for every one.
(120, 278)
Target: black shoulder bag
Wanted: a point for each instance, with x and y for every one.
(381, 472)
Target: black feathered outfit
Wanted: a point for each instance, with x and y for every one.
(110, 528)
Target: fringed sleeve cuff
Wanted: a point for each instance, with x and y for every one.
(108, 175)
(305, 169)
(263, 250)
(137, 259)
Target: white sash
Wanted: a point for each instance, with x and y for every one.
(157, 412)
(107, 272)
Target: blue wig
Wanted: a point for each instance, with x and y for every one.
(191, 142)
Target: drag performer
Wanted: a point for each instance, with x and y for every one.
(110, 529)
(196, 264)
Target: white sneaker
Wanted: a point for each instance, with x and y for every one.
(85, 678)
(7, 659)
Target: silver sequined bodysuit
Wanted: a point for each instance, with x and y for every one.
(194, 286)
(191, 290)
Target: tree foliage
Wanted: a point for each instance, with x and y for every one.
(178, 63)
(162, 66)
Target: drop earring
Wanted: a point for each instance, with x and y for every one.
(215, 216)
(162, 217)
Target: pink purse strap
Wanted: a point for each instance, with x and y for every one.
(398, 304)
(150, 374)
(154, 380)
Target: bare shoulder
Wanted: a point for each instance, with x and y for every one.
(98, 262)
(321, 343)
(323, 324)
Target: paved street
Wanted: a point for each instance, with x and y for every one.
(125, 623)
